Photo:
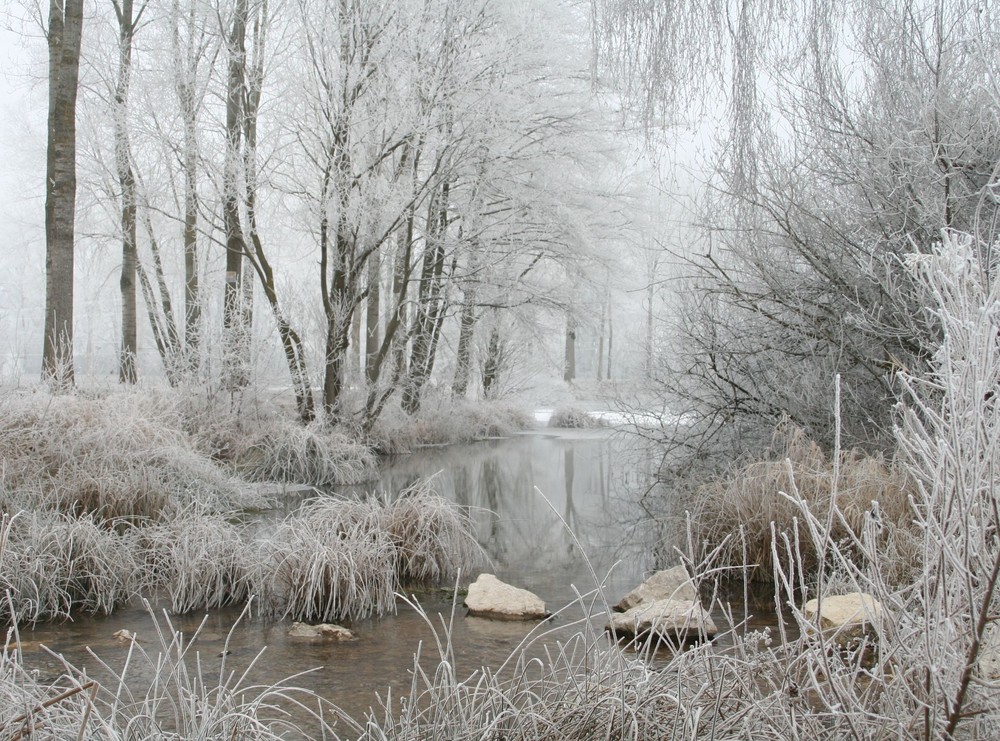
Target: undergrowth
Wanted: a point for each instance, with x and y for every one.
(742, 515)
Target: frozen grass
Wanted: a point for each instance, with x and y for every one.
(123, 455)
(329, 561)
(446, 422)
(574, 418)
(434, 538)
(201, 559)
(740, 515)
(51, 564)
(337, 559)
(287, 452)
(163, 692)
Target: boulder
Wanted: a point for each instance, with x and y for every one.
(670, 618)
(844, 617)
(491, 598)
(322, 630)
(670, 584)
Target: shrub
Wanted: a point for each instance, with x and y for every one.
(574, 418)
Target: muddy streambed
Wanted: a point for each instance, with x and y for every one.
(541, 502)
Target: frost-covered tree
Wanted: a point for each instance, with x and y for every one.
(854, 132)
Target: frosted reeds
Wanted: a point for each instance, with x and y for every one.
(52, 564)
(330, 560)
(434, 538)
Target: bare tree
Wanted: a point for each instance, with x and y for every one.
(871, 139)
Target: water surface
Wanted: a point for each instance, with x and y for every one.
(554, 511)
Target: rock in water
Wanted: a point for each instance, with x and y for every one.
(322, 630)
(670, 618)
(672, 584)
(491, 598)
(844, 617)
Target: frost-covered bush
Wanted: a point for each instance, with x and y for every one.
(574, 418)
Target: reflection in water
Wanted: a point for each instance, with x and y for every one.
(514, 487)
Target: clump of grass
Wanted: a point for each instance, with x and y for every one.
(442, 422)
(53, 563)
(330, 561)
(120, 456)
(434, 538)
(574, 418)
(745, 513)
(288, 452)
(201, 559)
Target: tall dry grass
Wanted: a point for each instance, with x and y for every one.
(52, 564)
(287, 452)
(742, 515)
(117, 456)
(162, 690)
(201, 559)
(446, 422)
(329, 561)
(434, 538)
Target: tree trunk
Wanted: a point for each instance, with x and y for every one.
(168, 342)
(649, 331)
(372, 334)
(291, 341)
(126, 180)
(393, 343)
(600, 342)
(493, 363)
(186, 64)
(611, 340)
(429, 303)
(64, 36)
(463, 355)
(235, 335)
(569, 368)
(354, 369)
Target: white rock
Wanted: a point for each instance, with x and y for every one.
(491, 598)
(125, 636)
(681, 619)
(322, 630)
(669, 584)
(844, 617)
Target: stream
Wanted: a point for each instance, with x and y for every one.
(552, 508)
